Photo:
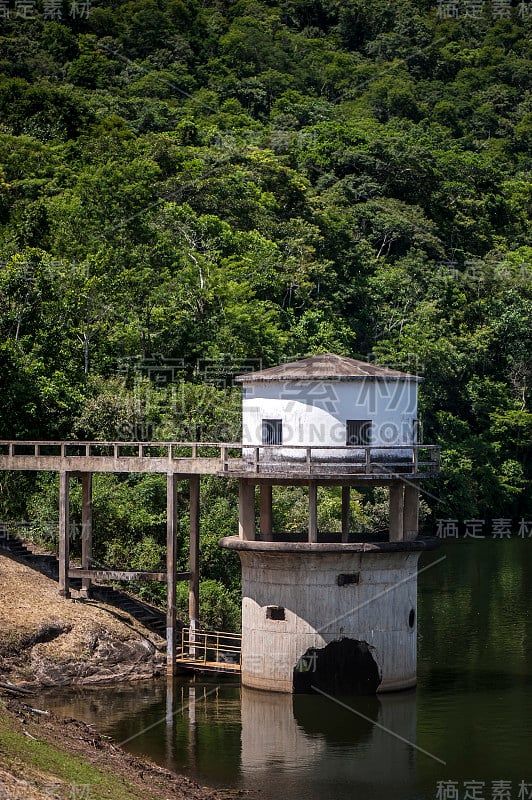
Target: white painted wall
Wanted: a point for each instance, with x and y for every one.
(318, 611)
(315, 413)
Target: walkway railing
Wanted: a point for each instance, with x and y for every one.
(232, 459)
(213, 651)
(418, 459)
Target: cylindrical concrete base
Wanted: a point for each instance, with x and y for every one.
(329, 616)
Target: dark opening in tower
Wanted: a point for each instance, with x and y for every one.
(345, 666)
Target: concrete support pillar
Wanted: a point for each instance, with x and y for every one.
(86, 530)
(346, 508)
(411, 511)
(313, 511)
(64, 533)
(194, 557)
(171, 565)
(266, 511)
(396, 511)
(246, 510)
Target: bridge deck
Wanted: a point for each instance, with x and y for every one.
(266, 462)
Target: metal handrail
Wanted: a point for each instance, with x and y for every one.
(229, 445)
(218, 445)
(198, 645)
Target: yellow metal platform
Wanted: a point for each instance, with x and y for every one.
(210, 651)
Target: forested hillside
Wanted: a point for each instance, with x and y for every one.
(214, 185)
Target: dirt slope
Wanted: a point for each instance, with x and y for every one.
(45, 640)
(50, 641)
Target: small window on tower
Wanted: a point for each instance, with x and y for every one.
(358, 432)
(275, 612)
(272, 431)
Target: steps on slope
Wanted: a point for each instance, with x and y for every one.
(148, 615)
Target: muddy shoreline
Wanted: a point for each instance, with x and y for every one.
(91, 765)
(48, 642)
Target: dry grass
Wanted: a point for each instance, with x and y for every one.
(30, 607)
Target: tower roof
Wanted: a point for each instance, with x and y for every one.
(326, 366)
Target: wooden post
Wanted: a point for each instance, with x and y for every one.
(86, 530)
(346, 508)
(266, 511)
(396, 511)
(411, 511)
(246, 510)
(64, 533)
(312, 511)
(193, 587)
(171, 566)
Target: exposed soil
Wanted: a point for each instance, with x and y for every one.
(53, 758)
(46, 640)
(49, 641)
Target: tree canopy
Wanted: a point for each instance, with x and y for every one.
(222, 182)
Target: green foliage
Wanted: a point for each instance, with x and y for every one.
(210, 183)
(41, 110)
(219, 608)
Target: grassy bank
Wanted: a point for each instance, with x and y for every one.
(42, 756)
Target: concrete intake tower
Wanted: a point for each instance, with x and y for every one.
(330, 612)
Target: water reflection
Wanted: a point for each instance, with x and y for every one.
(271, 735)
(226, 735)
(335, 745)
(472, 707)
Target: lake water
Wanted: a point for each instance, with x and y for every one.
(469, 719)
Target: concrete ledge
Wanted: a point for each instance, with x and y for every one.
(268, 684)
(397, 686)
(337, 477)
(414, 545)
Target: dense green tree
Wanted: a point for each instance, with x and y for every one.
(212, 182)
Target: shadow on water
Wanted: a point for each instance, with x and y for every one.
(472, 708)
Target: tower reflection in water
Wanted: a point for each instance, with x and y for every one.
(299, 745)
(321, 749)
(272, 744)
